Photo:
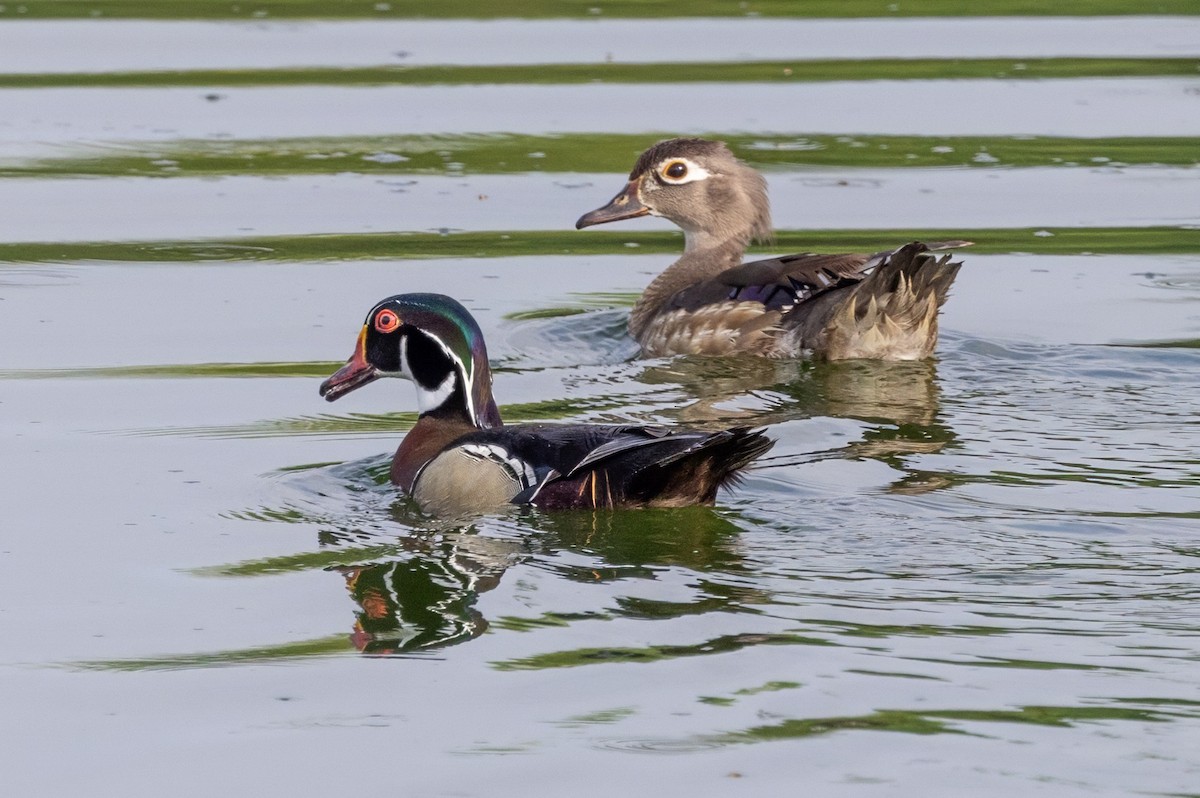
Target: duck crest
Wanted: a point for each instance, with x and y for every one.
(678, 148)
(447, 358)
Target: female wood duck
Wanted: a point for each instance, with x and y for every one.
(460, 458)
(881, 306)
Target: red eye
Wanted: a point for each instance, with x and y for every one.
(386, 321)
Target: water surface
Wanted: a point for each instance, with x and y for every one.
(974, 575)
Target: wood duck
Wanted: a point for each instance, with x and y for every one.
(460, 458)
(882, 306)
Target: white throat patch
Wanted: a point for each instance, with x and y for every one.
(427, 399)
(431, 400)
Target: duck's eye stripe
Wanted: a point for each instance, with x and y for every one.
(386, 321)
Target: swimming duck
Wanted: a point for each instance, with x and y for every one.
(881, 306)
(460, 457)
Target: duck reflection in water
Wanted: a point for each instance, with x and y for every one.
(898, 400)
(428, 599)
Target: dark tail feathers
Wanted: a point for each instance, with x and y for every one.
(892, 314)
(694, 475)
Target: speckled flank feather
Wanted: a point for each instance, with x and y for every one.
(720, 329)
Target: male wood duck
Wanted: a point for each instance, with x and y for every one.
(882, 306)
(460, 458)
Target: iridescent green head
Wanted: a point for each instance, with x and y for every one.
(432, 340)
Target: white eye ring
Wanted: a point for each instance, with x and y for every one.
(694, 171)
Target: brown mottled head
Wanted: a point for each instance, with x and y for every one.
(699, 185)
(694, 149)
